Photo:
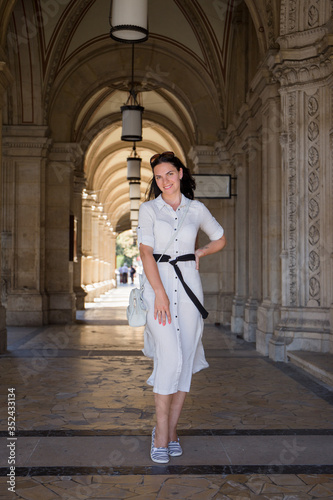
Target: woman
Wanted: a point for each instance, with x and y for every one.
(173, 292)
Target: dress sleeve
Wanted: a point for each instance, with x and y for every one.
(209, 224)
(145, 229)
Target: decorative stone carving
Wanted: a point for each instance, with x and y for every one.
(270, 25)
(301, 72)
(299, 16)
(292, 200)
(313, 16)
(313, 146)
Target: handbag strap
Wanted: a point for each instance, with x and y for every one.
(142, 282)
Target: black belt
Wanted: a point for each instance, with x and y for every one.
(173, 262)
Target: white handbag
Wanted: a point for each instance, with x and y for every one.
(137, 309)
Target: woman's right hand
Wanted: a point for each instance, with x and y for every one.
(162, 307)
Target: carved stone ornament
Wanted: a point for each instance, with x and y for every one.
(292, 204)
(313, 195)
(303, 72)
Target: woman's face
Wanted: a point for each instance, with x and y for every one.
(167, 178)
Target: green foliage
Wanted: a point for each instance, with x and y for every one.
(126, 248)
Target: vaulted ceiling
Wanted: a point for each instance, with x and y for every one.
(74, 78)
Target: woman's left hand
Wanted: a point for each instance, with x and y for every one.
(212, 247)
(198, 254)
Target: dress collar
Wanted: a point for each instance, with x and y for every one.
(161, 203)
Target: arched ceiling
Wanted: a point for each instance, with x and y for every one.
(84, 77)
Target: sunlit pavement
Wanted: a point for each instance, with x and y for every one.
(84, 413)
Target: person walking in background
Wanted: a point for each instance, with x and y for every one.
(120, 271)
(132, 273)
(173, 292)
(125, 273)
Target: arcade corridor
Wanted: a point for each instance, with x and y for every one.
(251, 428)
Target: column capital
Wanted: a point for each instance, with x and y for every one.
(307, 59)
(70, 152)
(25, 140)
(79, 182)
(210, 159)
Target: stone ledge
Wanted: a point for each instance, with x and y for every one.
(318, 364)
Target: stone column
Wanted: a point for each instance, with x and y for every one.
(254, 236)
(25, 152)
(5, 80)
(59, 203)
(269, 309)
(113, 257)
(305, 71)
(79, 185)
(100, 248)
(87, 256)
(241, 239)
(95, 246)
(107, 276)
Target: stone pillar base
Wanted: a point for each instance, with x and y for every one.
(250, 320)
(305, 329)
(277, 349)
(80, 294)
(268, 315)
(237, 315)
(61, 308)
(3, 331)
(26, 309)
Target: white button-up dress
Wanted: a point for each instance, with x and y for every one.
(176, 348)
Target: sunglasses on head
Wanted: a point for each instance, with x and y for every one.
(166, 155)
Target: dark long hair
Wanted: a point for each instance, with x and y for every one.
(187, 183)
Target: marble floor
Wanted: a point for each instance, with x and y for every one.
(76, 416)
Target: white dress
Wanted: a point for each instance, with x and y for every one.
(176, 348)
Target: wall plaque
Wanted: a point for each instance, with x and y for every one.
(212, 186)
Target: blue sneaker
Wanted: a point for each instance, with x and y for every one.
(158, 455)
(174, 448)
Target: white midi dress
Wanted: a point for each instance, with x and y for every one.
(176, 348)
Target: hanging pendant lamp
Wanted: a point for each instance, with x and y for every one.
(134, 216)
(131, 122)
(134, 191)
(132, 113)
(135, 204)
(129, 20)
(134, 166)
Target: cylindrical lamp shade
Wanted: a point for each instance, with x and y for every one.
(134, 190)
(132, 123)
(133, 169)
(134, 215)
(135, 204)
(129, 21)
